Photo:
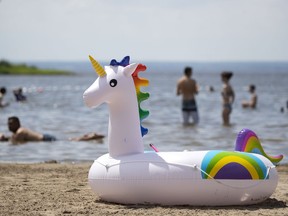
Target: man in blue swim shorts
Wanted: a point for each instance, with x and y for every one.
(22, 135)
(187, 87)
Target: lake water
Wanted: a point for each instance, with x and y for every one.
(55, 106)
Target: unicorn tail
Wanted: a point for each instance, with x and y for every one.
(247, 141)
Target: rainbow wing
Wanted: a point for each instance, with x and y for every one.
(247, 141)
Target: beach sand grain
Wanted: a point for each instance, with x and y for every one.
(62, 189)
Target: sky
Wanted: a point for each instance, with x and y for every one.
(150, 30)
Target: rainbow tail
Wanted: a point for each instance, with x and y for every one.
(247, 141)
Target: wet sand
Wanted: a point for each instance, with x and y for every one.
(62, 189)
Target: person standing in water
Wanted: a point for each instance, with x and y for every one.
(228, 97)
(187, 87)
(2, 94)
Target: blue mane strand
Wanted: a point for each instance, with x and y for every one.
(125, 61)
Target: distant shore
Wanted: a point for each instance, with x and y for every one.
(62, 189)
(7, 68)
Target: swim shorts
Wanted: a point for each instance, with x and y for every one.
(48, 138)
(189, 105)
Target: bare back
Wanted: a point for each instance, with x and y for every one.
(25, 135)
(187, 87)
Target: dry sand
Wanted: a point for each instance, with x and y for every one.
(62, 189)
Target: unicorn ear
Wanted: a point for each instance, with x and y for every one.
(129, 70)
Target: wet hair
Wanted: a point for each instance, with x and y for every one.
(252, 87)
(13, 124)
(14, 119)
(3, 90)
(227, 74)
(188, 70)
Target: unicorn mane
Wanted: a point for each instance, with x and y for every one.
(138, 83)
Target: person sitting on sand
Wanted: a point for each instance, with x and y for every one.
(253, 101)
(22, 135)
(88, 137)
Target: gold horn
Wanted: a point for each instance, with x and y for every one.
(98, 68)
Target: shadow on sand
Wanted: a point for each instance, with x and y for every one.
(270, 203)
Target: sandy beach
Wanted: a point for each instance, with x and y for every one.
(62, 189)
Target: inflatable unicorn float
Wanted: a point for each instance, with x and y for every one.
(128, 175)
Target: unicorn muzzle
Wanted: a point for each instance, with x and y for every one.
(89, 97)
(86, 99)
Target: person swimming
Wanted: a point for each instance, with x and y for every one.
(253, 101)
(21, 135)
(18, 93)
(88, 137)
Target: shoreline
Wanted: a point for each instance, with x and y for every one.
(62, 189)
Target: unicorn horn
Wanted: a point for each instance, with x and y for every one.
(98, 68)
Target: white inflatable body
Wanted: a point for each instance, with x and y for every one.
(205, 178)
(173, 178)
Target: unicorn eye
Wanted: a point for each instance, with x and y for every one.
(113, 82)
